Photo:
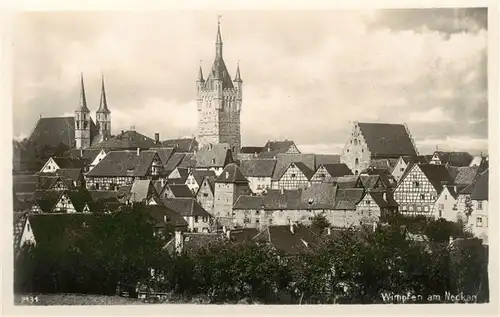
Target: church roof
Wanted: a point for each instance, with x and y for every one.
(387, 139)
(103, 105)
(127, 140)
(53, 131)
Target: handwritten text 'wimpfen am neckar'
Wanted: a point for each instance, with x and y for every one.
(447, 297)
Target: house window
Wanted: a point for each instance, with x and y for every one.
(441, 206)
(322, 175)
(257, 220)
(28, 225)
(347, 150)
(479, 205)
(410, 208)
(402, 169)
(205, 195)
(479, 222)
(440, 214)
(367, 202)
(195, 229)
(416, 184)
(362, 150)
(355, 172)
(426, 208)
(196, 219)
(293, 175)
(356, 161)
(355, 142)
(257, 212)
(422, 196)
(445, 197)
(270, 221)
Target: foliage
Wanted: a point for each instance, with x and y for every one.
(351, 266)
(319, 223)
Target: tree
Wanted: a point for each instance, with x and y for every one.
(320, 223)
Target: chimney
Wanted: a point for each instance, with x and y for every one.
(138, 151)
(292, 228)
(157, 138)
(329, 231)
(228, 234)
(179, 241)
(282, 190)
(81, 152)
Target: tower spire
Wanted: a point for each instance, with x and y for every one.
(238, 76)
(200, 74)
(83, 101)
(218, 41)
(103, 105)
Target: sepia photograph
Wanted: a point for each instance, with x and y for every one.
(245, 157)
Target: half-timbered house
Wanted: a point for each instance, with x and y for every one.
(294, 176)
(330, 170)
(259, 173)
(205, 195)
(195, 178)
(419, 188)
(273, 148)
(120, 168)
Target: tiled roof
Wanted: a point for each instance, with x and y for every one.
(251, 149)
(25, 187)
(25, 178)
(199, 175)
(183, 172)
(319, 196)
(347, 199)
(323, 159)
(46, 200)
(105, 195)
(66, 162)
(182, 145)
(385, 176)
(89, 154)
(350, 181)
(179, 191)
(288, 199)
(438, 175)
(463, 175)
(186, 207)
(422, 159)
(243, 234)
(164, 153)
(174, 161)
(383, 199)
(53, 131)
(308, 173)
(194, 241)
(258, 167)
(387, 139)
(284, 160)
(216, 155)
(284, 241)
(127, 140)
(188, 161)
(231, 174)
(141, 190)
(163, 213)
(384, 163)
(337, 170)
(74, 174)
(280, 146)
(454, 158)
(123, 163)
(479, 189)
(249, 202)
(79, 198)
(211, 183)
(369, 181)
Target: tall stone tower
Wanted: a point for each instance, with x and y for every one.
(219, 103)
(82, 120)
(103, 116)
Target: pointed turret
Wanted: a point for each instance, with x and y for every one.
(103, 105)
(83, 101)
(218, 42)
(200, 74)
(103, 115)
(237, 78)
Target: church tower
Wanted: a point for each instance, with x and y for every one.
(103, 115)
(82, 120)
(219, 101)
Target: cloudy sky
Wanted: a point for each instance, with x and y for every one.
(307, 75)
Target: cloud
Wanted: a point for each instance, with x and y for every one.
(307, 75)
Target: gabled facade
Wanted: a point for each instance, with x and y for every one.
(376, 140)
(274, 148)
(50, 166)
(446, 204)
(325, 171)
(205, 195)
(27, 236)
(97, 159)
(415, 193)
(259, 173)
(195, 178)
(295, 176)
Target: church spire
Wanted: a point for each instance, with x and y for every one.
(200, 74)
(238, 76)
(218, 42)
(83, 101)
(103, 106)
